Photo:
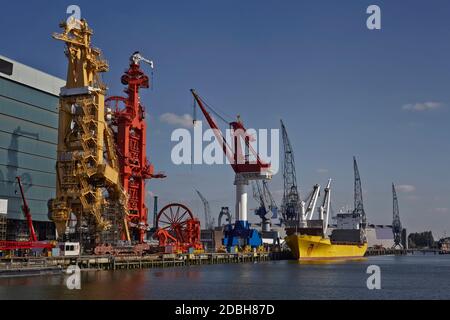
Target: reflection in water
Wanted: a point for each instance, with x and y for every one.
(405, 277)
(180, 273)
(332, 262)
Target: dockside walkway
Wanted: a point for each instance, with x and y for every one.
(23, 266)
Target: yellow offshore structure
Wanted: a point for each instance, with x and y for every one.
(88, 183)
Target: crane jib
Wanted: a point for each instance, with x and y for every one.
(238, 160)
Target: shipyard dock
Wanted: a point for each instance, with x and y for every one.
(398, 252)
(38, 266)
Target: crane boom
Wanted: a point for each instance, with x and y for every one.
(260, 197)
(218, 134)
(27, 213)
(291, 206)
(359, 204)
(239, 162)
(272, 205)
(312, 202)
(258, 194)
(325, 208)
(263, 196)
(137, 57)
(396, 223)
(208, 223)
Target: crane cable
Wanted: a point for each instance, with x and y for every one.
(207, 106)
(228, 122)
(214, 111)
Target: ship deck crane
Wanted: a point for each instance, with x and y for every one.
(308, 222)
(297, 213)
(308, 211)
(325, 208)
(241, 235)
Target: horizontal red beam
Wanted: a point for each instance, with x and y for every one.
(17, 245)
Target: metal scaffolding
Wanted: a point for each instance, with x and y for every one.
(2, 227)
(87, 166)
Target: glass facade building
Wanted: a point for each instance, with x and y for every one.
(28, 139)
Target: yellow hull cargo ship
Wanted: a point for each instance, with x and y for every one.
(347, 240)
(309, 241)
(317, 248)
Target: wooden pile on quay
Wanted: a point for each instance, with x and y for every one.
(133, 262)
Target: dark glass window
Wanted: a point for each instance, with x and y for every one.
(6, 67)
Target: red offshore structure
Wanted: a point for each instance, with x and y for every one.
(131, 132)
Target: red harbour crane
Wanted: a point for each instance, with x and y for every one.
(246, 170)
(27, 213)
(33, 242)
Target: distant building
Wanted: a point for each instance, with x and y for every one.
(212, 239)
(380, 236)
(29, 102)
(275, 236)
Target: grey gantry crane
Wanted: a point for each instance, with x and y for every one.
(290, 208)
(396, 224)
(225, 213)
(267, 209)
(209, 222)
(272, 204)
(359, 204)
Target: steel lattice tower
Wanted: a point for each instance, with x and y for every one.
(396, 224)
(290, 208)
(209, 222)
(359, 205)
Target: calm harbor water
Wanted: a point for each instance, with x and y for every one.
(402, 277)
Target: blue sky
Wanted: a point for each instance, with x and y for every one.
(341, 89)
